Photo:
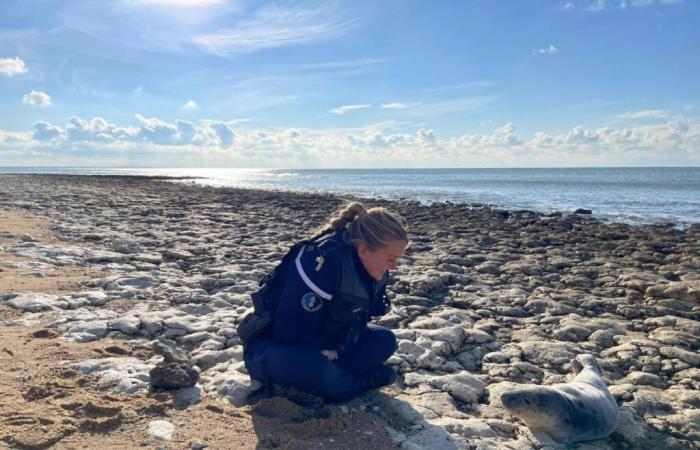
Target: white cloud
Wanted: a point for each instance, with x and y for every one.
(190, 105)
(12, 66)
(645, 114)
(551, 50)
(37, 99)
(341, 110)
(600, 5)
(276, 26)
(96, 130)
(157, 131)
(223, 132)
(216, 142)
(399, 105)
(44, 131)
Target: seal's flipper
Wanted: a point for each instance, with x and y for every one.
(546, 441)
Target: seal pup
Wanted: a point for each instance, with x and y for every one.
(581, 410)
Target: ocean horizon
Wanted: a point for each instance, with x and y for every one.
(638, 195)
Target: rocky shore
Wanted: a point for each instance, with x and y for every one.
(484, 299)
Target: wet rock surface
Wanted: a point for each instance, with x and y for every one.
(486, 299)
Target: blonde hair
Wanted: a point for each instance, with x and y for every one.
(375, 227)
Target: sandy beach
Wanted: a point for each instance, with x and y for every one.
(93, 269)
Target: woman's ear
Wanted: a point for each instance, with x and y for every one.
(362, 250)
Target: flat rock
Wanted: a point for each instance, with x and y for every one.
(172, 375)
(161, 429)
(32, 302)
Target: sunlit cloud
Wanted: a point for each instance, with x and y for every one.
(191, 105)
(646, 114)
(37, 99)
(10, 67)
(341, 110)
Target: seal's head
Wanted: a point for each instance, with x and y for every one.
(539, 406)
(585, 361)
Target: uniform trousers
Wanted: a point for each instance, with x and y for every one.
(306, 369)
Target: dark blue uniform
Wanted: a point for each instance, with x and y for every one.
(306, 323)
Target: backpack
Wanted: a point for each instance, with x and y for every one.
(266, 299)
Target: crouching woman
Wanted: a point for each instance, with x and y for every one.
(311, 327)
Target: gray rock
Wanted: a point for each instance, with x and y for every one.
(488, 268)
(572, 333)
(686, 356)
(170, 352)
(602, 338)
(644, 379)
(173, 375)
(178, 254)
(187, 396)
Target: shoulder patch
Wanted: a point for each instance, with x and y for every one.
(311, 303)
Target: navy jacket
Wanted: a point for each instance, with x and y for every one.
(302, 316)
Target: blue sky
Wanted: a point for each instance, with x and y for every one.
(349, 84)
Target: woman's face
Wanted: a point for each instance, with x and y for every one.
(378, 261)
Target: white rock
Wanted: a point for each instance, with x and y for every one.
(36, 302)
(470, 428)
(161, 429)
(127, 375)
(98, 256)
(232, 384)
(153, 258)
(128, 324)
(433, 437)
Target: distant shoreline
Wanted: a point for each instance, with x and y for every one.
(2, 168)
(592, 217)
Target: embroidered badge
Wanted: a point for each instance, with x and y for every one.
(310, 302)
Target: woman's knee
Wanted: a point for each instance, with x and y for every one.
(253, 358)
(385, 340)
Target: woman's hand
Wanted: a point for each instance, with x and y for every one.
(330, 354)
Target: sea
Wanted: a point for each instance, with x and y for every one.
(631, 194)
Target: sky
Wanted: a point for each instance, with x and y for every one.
(349, 84)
